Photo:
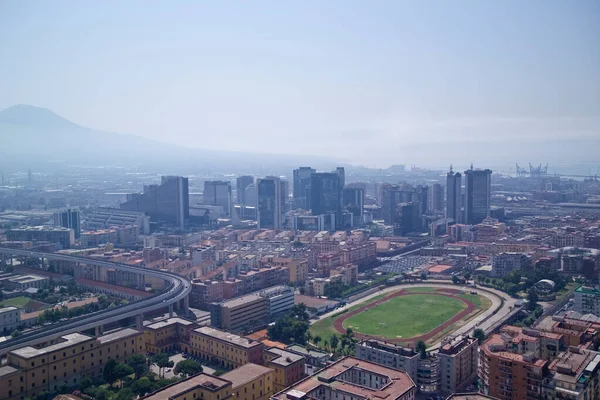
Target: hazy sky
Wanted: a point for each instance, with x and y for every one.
(313, 77)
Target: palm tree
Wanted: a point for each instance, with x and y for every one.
(325, 344)
(334, 341)
(317, 339)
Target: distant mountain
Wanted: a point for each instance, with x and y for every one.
(34, 136)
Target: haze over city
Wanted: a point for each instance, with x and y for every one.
(397, 82)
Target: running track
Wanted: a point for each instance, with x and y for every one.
(338, 324)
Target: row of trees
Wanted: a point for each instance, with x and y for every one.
(339, 345)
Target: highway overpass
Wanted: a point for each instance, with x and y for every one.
(175, 295)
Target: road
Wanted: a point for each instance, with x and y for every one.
(492, 294)
(178, 289)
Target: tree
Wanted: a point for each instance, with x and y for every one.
(102, 393)
(85, 383)
(125, 394)
(511, 288)
(15, 333)
(317, 339)
(467, 275)
(298, 311)
(423, 276)
(532, 298)
(142, 386)
(455, 279)
(513, 277)
(139, 364)
(479, 334)
(108, 373)
(162, 361)
(421, 348)
(288, 329)
(349, 332)
(122, 370)
(188, 367)
(334, 341)
(326, 344)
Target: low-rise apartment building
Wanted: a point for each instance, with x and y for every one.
(288, 367)
(354, 379)
(573, 375)
(241, 313)
(168, 335)
(10, 317)
(201, 386)
(251, 382)
(226, 348)
(64, 362)
(205, 292)
(22, 282)
(389, 355)
(64, 237)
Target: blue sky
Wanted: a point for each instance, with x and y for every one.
(314, 77)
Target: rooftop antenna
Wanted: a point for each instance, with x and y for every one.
(471, 165)
(451, 168)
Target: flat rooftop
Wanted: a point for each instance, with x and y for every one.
(239, 301)
(285, 357)
(7, 370)
(65, 341)
(209, 382)
(306, 352)
(120, 334)
(168, 322)
(227, 337)
(246, 373)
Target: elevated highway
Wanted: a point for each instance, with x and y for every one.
(175, 295)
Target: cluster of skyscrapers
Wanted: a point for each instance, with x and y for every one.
(321, 200)
(472, 206)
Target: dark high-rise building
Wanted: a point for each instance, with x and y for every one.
(437, 198)
(392, 195)
(241, 185)
(326, 195)
(68, 218)
(478, 195)
(353, 201)
(301, 187)
(407, 218)
(285, 195)
(453, 203)
(342, 174)
(218, 193)
(270, 213)
(167, 202)
(421, 194)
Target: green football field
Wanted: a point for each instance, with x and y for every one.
(405, 316)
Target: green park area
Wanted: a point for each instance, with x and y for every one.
(18, 302)
(405, 316)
